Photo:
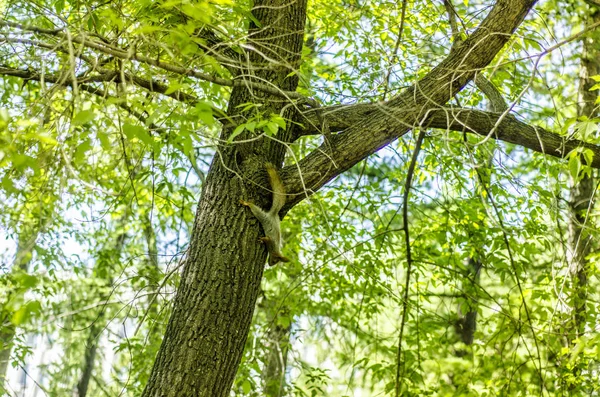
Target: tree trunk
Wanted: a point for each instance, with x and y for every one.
(89, 357)
(467, 322)
(278, 342)
(580, 240)
(91, 346)
(204, 341)
(211, 316)
(7, 330)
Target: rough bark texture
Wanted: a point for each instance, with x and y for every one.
(582, 192)
(205, 337)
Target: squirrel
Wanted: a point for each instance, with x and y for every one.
(270, 219)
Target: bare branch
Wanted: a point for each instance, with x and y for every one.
(52, 78)
(509, 130)
(409, 261)
(102, 76)
(131, 54)
(394, 59)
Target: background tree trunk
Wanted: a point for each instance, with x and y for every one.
(8, 331)
(278, 342)
(98, 325)
(467, 321)
(582, 192)
(212, 311)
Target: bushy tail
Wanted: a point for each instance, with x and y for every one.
(276, 258)
(277, 187)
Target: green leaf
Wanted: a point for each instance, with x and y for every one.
(42, 138)
(280, 121)
(283, 321)
(244, 107)
(82, 149)
(186, 141)
(26, 281)
(588, 156)
(251, 126)
(4, 118)
(25, 312)
(104, 140)
(139, 132)
(59, 6)
(205, 113)
(85, 116)
(246, 386)
(252, 18)
(200, 11)
(173, 87)
(272, 128)
(238, 130)
(574, 166)
(587, 128)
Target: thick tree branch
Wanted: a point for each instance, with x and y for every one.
(479, 122)
(66, 80)
(497, 102)
(412, 107)
(509, 130)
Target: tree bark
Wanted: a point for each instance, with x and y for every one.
(205, 337)
(582, 192)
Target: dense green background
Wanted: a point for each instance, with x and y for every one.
(99, 183)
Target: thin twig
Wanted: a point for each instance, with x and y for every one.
(409, 261)
(395, 53)
(169, 67)
(514, 269)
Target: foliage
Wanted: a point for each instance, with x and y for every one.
(99, 180)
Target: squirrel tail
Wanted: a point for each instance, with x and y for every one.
(276, 258)
(278, 189)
